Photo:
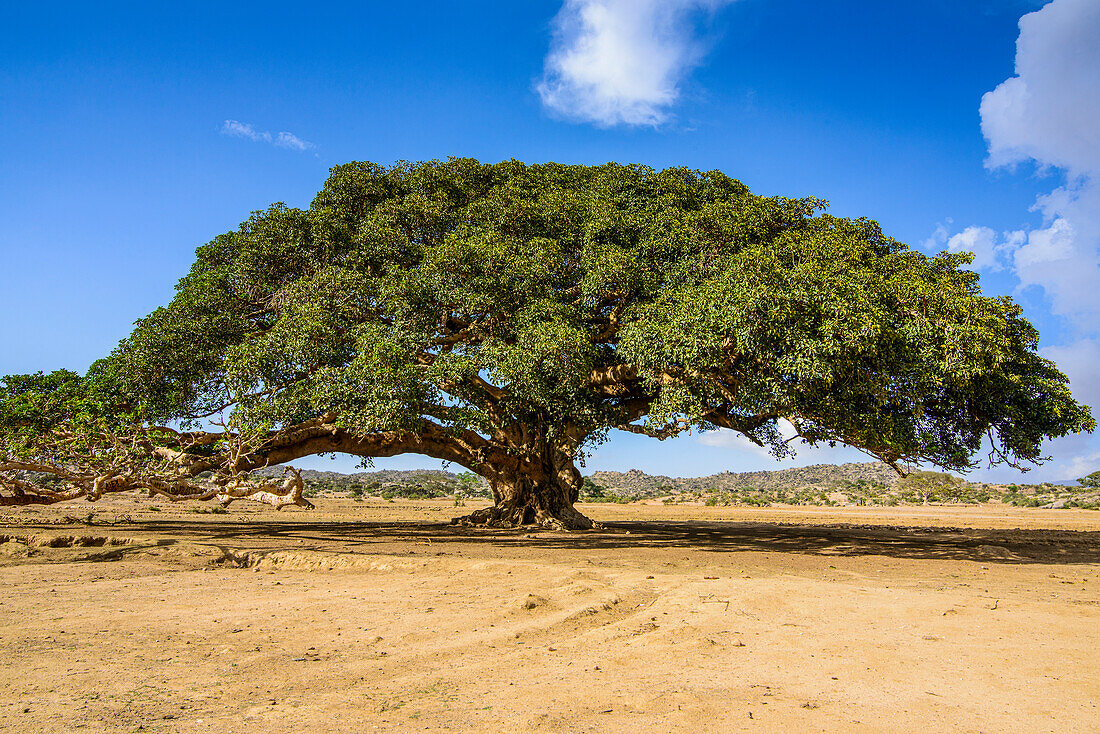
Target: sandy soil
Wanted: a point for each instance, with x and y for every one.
(375, 616)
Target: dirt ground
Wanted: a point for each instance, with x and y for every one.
(376, 616)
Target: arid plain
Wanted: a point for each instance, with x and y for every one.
(378, 616)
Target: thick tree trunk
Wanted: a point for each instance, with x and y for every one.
(539, 492)
(521, 501)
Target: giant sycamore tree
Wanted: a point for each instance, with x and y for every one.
(507, 318)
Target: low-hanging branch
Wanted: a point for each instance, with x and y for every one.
(23, 483)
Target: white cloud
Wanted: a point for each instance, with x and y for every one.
(1051, 244)
(1048, 114)
(615, 62)
(750, 457)
(1050, 111)
(982, 242)
(1081, 466)
(244, 130)
(1080, 361)
(939, 236)
(1063, 257)
(729, 439)
(1076, 456)
(236, 129)
(290, 140)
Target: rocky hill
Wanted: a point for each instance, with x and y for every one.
(819, 476)
(870, 483)
(633, 483)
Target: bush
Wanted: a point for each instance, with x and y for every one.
(593, 491)
(1092, 480)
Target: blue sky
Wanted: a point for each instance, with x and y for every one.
(131, 133)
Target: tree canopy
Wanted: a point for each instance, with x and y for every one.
(508, 317)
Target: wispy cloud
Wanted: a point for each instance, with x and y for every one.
(284, 139)
(621, 62)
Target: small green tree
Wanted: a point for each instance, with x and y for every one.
(931, 486)
(1092, 480)
(507, 318)
(592, 490)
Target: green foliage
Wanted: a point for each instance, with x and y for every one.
(526, 306)
(811, 316)
(33, 406)
(61, 419)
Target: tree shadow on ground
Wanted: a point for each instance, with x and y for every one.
(1011, 546)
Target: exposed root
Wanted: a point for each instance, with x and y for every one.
(510, 515)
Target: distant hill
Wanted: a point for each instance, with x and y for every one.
(633, 483)
(414, 483)
(819, 476)
(871, 483)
